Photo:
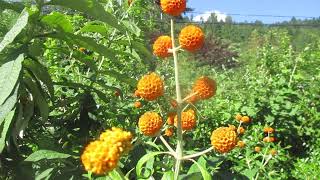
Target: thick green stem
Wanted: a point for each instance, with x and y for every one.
(179, 149)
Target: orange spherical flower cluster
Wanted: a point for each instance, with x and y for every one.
(130, 2)
(188, 120)
(169, 132)
(137, 104)
(191, 38)
(150, 123)
(257, 149)
(119, 138)
(241, 130)
(161, 46)
(117, 93)
(150, 87)
(241, 144)
(204, 88)
(224, 139)
(238, 117)
(82, 49)
(102, 155)
(273, 152)
(170, 119)
(173, 7)
(268, 130)
(269, 139)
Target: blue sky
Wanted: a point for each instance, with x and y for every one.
(269, 7)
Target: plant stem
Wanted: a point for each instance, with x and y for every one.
(179, 149)
(166, 144)
(197, 154)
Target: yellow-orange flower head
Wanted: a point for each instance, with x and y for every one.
(150, 87)
(204, 88)
(169, 132)
(100, 157)
(119, 138)
(188, 120)
(161, 46)
(170, 119)
(150, 123)
(191, 38)
(173, 7)
(224, 139)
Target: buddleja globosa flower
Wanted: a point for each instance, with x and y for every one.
(191, 38)
(173, 7)
(102, 155)
(224, 139)
(161, 46)
(203, 88)
(150, 123)
(150, 87)
(188, 120)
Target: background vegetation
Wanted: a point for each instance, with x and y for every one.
(63, 65)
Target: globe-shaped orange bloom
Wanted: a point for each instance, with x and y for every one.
(188, 120)
(241, 144)
(204, 88)
(100, 157)
(191, 38)
(245, 119)
(173, 7)
(268, 130)
(269, 139)
(130, 2)
(257, 149)
(150, 123)
(273, 152)
(150, 87)
(169, 132)
(119, 138)
(238, 117)
(241, 130)
(137, 104)
(174, 103)
(170, 119)
(161, 46)
(223, 139)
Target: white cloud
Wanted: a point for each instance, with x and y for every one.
(204, 17)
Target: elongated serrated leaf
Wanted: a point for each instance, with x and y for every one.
(41, 73)
(4, 129)
(15, 30)
(46, 154)
(9, 73)
(95, 28)
(40, 101)
(58, 21)
(145, 159)
(194, 168)
(121, 77)
(87, 43)
(92, 8)
(8, 104)
(205, 174)
(116, 174)
(46, 173)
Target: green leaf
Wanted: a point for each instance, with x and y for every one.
(168, 175)
(95, 28)
(15, 30)
(92, 8)
(9, 104)
(41, 73)
(87, 43)
(46, 154)
(44, 174)
(250, 173)
(116, 174)
(145, 159)
(9, 73)
(194, 168)
(132, 27)
(205, 174)
(7, 121)
(121, 77)
(58, 21)
(40, 100)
